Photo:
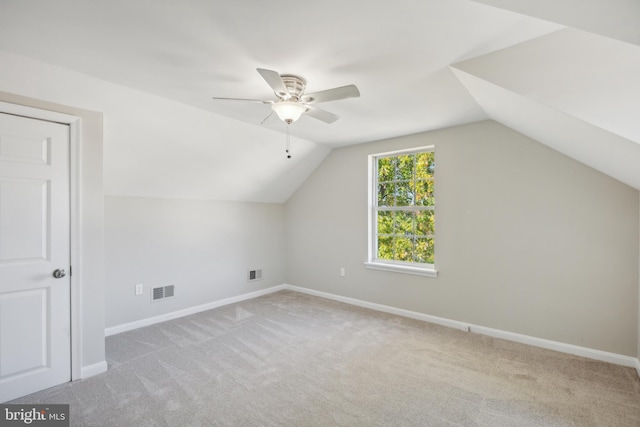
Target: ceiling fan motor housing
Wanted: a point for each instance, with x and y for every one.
(294, 84)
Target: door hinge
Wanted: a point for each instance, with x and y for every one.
(70, 271)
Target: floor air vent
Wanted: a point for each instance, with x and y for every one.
(255, 275)
(162, 292)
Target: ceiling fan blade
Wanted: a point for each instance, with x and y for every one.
(321, 115)
(343, 92)
(217, 98)
(274, 80)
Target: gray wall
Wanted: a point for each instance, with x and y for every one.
(528, 240)
(204, 248)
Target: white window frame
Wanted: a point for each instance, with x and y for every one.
(373, 262)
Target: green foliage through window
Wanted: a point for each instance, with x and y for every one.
(405, 208)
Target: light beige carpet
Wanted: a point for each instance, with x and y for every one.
(289, 359)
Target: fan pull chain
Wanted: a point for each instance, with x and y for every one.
(288, 143)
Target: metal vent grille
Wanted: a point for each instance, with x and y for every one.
(168, 291)
(255, 275)
(162, 292)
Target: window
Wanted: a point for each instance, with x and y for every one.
(402, 211)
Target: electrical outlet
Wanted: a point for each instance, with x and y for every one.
(139, 289)
(342, 272)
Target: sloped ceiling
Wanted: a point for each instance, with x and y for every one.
(617, 19)
(419, 65)
(574, 91)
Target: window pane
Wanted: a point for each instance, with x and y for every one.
(385, 247)
(404, 193)
(386, 195)
(425, 165)
(403, 249)
(425, 223)
(425, 193)
(404, 223)
(385, 222)
(386, 169)
(424, 251)
(404, 167)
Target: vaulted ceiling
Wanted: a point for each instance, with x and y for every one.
(564, 72)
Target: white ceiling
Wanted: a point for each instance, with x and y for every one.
(577, 92)
(419, 65)
(396, 52)
(617, 19)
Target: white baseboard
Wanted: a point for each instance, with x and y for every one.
(589, 353)
(384, 308)
(91, 370)
(188, 311)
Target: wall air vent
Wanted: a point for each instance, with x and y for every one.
(162, 292)
(254, 275)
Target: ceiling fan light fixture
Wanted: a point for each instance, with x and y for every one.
(288, 111)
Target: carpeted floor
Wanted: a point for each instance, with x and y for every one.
(289, 359)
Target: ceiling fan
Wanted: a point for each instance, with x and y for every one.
(291, 100)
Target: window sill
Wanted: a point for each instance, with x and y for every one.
(407, 269)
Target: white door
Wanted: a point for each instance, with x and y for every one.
(35, 343)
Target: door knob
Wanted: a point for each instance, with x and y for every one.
(59, 273)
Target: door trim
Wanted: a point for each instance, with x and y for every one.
(74, 123)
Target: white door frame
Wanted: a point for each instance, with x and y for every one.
(74, 123)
